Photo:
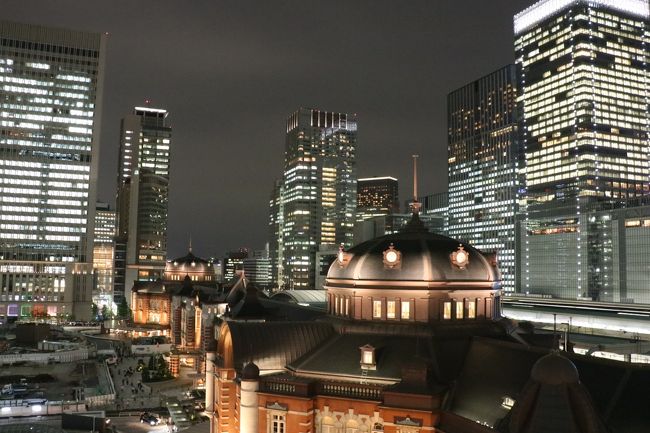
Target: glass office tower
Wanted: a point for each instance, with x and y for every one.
(104, 255)
(583, 71)
(484, 153)
(143, 193)
(51, 81)
(318, 190)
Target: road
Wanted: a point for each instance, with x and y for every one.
(132, 424)
(54, 421)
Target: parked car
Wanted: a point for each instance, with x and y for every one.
(149, 418)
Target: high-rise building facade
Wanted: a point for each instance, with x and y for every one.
(318, 191)
(437, 205)
(257, 268)
(484, 153)
(233, 264)
(104, 254)
(377, 196)
(393, 223)
(143, 193)
(584, 75)
(51, 82)
(276, 250)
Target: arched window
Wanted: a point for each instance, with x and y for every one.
(327, 425)
(352, 426)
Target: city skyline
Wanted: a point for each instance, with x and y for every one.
(402, 103)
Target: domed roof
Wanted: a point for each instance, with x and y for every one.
(250, 372)
(189, 259)
(554, 369)
(422, 257)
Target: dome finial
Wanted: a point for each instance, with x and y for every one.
(190, 246)
(415, 206)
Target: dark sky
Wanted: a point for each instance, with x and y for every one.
(230, 72)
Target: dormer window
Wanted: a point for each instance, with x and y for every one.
(367, 357)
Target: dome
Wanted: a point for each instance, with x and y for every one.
(189, 260)
(554, 369)
(197, 268)
(412, 259)
(250, 372)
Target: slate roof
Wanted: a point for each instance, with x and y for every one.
(494, 369)
(273, 345)
(315, 298)
(340, 356)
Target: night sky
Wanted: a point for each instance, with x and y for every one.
(230, 72)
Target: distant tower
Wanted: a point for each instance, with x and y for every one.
(377, 196)
(483, 157)
(318, 192)
(104, 254)
(52, 86)
(143, 192)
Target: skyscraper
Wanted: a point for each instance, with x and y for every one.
(52, 82)
(584, 75)
(318, 191)
(143, 193)
(483, 155)
(257, 268)
(104, 254)
(276, 250)
(377, 196)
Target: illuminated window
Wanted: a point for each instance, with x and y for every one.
(406, 310)
(376, 309)
(347, 306)
(277, 424)
(459, 309)
(446, 312)
(471, 309)
(390, 310)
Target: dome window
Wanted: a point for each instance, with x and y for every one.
(343, 257)
(460, 257)
(392, 257)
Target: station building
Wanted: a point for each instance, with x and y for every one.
(413, 342)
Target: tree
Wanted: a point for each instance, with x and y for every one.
(123, 310)
(106, 313)
(95, 310)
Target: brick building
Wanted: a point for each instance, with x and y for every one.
(413, 342)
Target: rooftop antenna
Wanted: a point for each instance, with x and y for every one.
(415, 206)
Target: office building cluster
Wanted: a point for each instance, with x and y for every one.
(548, 158)
(547, 164)
(548, 169)
(58, 248)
